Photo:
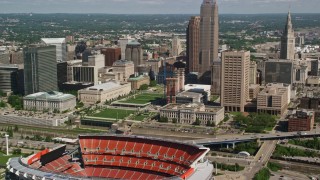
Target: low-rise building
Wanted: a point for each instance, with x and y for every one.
(137, 82)
(301, 121)
(274, 99)
(313, 81)
(189, 97)
(190, 113)
(50, 101)
(104, 92)
(199, 88)
(253, 91)
(123, 69)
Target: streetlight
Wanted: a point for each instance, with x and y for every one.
(7, 143)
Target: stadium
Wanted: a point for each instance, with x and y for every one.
(115, 157)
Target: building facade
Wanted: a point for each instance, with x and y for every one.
(123, 69)
(61, 47)
(134, 53)
(190, 113)
(274, 99)
(49, 101)
(176, 46)
(301, 121)
(111, 55)
(137, 82)
(104, 92)
(235, 80)
(40, 69)
(11, 79)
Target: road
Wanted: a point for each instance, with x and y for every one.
(261, 158)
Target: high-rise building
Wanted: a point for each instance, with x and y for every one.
(288, 41)
(111, 55)
(209, 36)
(193, 42)
(176, 46)
(122, 42)
(235, 80)
(40, 69)
(134, 53)
(11, 78)
(61, 47)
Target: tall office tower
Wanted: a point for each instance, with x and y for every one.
(209, 36)
(122, 42)
(134, 53)
(235, 80)
(61, 47)
(40, 69)
(216, 78)
(193, 42)
(111, 55)
(288, 41)
(176, 46)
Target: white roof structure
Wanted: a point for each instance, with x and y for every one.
(53, 40)
(106, 86)
(52, 96)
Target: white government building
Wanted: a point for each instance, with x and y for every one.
(104, 92)
(51, 101)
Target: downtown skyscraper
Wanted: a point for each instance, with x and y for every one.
(203, 53)
(288, 41)
(209, 32)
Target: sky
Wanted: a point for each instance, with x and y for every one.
(157, 6)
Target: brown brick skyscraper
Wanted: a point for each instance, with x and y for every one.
(111, 55)
(193, 42)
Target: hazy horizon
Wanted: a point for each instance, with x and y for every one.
(155, 6)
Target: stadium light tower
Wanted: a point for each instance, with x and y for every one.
(7, 143)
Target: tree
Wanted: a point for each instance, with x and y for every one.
(2, 104)
(16, 151)
(16, 128)
(143, 87)
(163, 119)
(153, 83)
(174, 120)
(197, 122)
(10, 132)
(48, 139)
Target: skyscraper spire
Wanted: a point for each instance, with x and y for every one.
(288, 40)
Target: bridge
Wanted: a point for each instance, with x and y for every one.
(234, 139)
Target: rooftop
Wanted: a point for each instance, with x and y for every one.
(189, 94)
(138, 78)
(105, 86)
(122, 62)
(53, 96)
(53, 40)
(134, 43)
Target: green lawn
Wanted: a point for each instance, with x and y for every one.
(114, 113)
(143, 98)
(4, 159)
(140, 117)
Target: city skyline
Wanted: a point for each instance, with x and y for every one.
(156, 6)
